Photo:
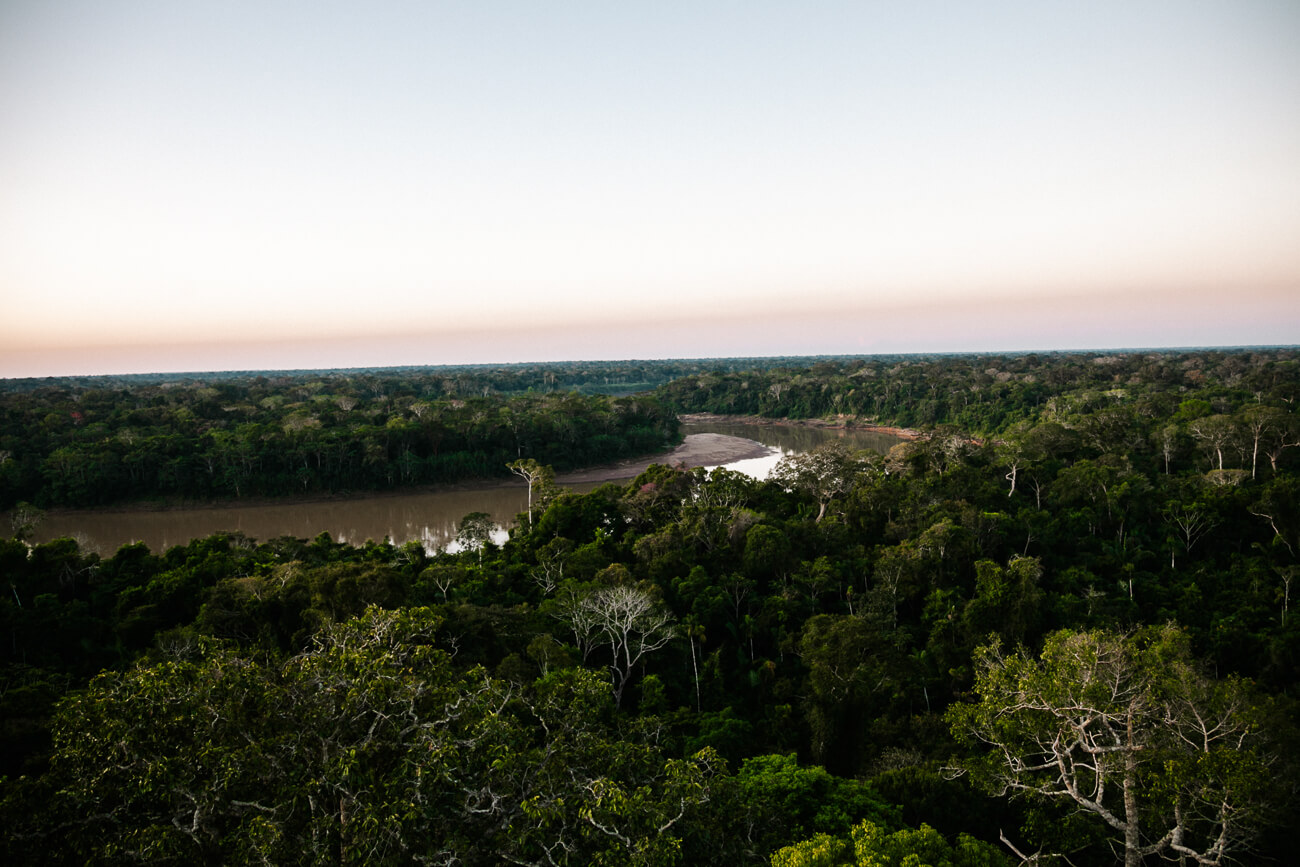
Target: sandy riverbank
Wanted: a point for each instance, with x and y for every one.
(840, 421)
(696, 450)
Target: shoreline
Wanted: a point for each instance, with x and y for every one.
(696, 450)
(840, 422)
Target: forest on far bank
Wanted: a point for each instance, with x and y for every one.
(239, 439)
(1055, 628)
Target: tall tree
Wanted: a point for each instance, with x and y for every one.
(826, 472)
(474, 532)
(630, 622)
(1127, 729)
(1217, 432)
(539, 477)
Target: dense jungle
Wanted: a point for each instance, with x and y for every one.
(1052, 628)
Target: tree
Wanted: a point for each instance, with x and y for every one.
(1259, 422)
(1012, 455)
(1191, 521)
(874, 846)
(1279, 504)
(537, 476)
(772, 800)
(1281, 434)
(572, 608)
(1126, 728)
(551, 557)
(857, 681)
(369, 748)
(442, 576)
(1218, 432)
(1007, 601)
(826, 472)
(1167, 441)
(214, 758)
(475, 532)
(626, 619)
(24, 519)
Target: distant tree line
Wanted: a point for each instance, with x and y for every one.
(986, 394)
(447, 380)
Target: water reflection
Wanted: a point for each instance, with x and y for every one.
(431, 519)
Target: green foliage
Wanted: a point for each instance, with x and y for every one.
(368, 748)
(822, 850)
(772, 801)
(874, 846)
(789, 801)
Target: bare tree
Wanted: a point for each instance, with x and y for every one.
(583, 619)
(1217, 432)
(1012, 456)
(628, 620)
(1167, 440)
(442, 576)
(538, 476)
(551, 557)
(1191, 522)
(1281, 435)
(1127, 729)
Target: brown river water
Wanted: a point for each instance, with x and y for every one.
(429, 518)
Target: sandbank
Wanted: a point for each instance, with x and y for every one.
(696, 450)
(846, 422)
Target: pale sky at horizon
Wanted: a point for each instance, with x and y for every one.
(243, 185)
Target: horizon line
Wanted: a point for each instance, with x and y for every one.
(297, 371)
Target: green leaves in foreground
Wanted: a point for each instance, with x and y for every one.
(873, 846)
(369, 748)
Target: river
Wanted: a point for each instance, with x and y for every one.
(429, 518)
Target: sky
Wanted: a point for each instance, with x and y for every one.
(267, 185)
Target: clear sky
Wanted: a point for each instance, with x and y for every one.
(236, 185)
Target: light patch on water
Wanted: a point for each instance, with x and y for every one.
(499, 536)
(756, 468)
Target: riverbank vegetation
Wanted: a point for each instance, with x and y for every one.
(1056, 626)
(75, 445)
